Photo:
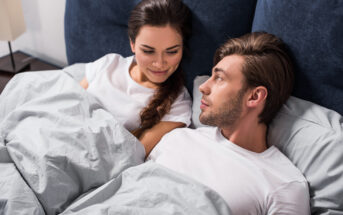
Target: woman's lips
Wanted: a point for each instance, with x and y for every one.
(158, 72)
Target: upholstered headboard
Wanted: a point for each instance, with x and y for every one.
(313, 31)
(90, 34)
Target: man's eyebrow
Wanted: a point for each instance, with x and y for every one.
(218, 70)
(172, 47)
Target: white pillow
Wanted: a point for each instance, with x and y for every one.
(311, 136)
(196, 101)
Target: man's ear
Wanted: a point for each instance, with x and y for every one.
(132, 45)
(257, 96)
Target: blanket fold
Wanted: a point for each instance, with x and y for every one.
(59, 148)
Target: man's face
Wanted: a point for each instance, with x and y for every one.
(221, 103)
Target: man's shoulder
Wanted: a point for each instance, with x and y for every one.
(292, 197)
(279, 163)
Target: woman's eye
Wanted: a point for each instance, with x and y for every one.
(148, 51)
(171, 52)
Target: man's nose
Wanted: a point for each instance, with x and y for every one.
(204, 88)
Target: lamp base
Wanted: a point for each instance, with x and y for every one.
(21, 64)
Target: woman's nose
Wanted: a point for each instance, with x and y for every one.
(159, 61)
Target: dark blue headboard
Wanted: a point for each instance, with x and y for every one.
(313, 31)
(94, 28)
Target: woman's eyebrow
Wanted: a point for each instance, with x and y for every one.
(149, 47)
(146, 46)
(172, 47)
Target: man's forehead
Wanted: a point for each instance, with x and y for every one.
(229, 64)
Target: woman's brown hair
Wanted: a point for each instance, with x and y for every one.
(160, 13)
(266, 64)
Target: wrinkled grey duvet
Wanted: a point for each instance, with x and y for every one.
(61, 152)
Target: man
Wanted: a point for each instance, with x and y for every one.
(250, 81)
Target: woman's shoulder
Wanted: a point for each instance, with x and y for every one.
(181, 109)
(184, 94)
(110, 57)
(112, 62)
(183, 98)
(107, 65)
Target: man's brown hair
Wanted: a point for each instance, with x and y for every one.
(266, 64)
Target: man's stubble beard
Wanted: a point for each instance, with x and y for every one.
(227, 114)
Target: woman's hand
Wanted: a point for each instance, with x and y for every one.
(152, 136)
(84, 83)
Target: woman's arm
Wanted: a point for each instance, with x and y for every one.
(152, 136)
(84, 83)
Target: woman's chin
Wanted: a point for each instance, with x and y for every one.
(158, 80)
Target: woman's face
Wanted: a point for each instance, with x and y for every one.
(158, 53)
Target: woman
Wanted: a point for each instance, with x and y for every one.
(145, 91)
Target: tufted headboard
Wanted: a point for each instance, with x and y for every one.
(313, 31)
(90, 34)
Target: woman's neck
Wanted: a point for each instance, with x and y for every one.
(139, 77)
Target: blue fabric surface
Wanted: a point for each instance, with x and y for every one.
(313, 31)
(213, 23)
(93, 29)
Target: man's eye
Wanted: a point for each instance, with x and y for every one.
(218, 78)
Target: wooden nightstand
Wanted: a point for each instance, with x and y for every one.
(19, 57)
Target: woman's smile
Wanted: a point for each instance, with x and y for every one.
(158, 52)
(158, 72)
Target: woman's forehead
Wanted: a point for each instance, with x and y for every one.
(161, 36)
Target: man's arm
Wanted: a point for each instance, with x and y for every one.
(292, 198)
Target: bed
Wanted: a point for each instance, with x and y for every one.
(62, 153)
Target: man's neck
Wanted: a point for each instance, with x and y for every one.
(249, 135)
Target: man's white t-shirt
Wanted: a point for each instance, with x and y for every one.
(110, 82)
(250, 183)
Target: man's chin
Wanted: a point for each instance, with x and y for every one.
(205, 120)
(201, 118)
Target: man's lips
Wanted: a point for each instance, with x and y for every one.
(203, 104)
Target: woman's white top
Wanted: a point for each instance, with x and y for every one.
(110, 82)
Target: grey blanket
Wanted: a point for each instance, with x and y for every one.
(61, 152)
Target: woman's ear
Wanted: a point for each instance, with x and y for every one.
(257, 96)
(132, 44)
